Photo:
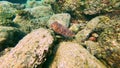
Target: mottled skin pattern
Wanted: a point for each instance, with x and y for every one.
(62, 30)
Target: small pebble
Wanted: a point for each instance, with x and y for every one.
(95, 35)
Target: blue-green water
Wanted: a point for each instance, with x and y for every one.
(16, 1)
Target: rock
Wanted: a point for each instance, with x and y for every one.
(97, 6)
(9, 36)
(68, 5)
(6, 4)
(33, 3)
(7, 13)
(109, 40)
(34, 18)
(48, 1)
(73, 55)
(42, 14)
(73, 7)
(23, 20)
(115, 15)
(83, 9)
(108, 45)
(96, 24)
(93, 47)
(18, 6)
(63, 19)
(41, 11)
(75, 27)
(30, 52)
(5, 51)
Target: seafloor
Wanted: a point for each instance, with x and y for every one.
(59, 33)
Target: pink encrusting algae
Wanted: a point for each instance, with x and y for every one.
(62, 30)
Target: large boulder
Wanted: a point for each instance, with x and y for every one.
(109, 41)
(101, 38)
(30, 52)
(97, 24)
(73, 55)
(30, 19)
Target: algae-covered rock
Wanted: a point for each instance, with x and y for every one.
(100, 6)
(7, 13)
(108, 45)
(48, 1)
(89, 7)
(63, 19)
(93, 47)
(9, 36)
(73, 55)
(30, 52)
(6, 6)
(109, 40)
(79, 8)
(18, 6)
(67, 5)
(41, 14)
(23, 21)
(96, 24)
(33, 3)
(75, 27)
(73, 7)
(30, 19)
(41, 11)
